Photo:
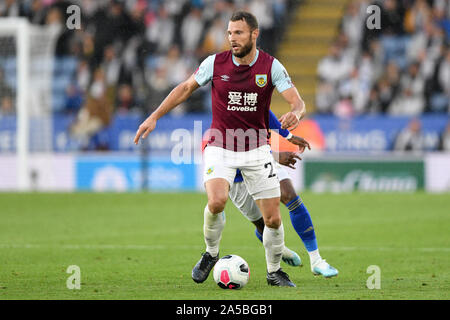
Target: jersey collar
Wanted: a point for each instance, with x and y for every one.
(251, 64)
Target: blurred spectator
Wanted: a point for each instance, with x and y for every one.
(125, 99)
(280, 15)
(438, 86)
(410, 138)
(37, 12)
(348, 52)
(392, 14)
(6, 106)
(191, 30)
(334, 66)
(352, 23)
(161, 31)
(442, 17)
(353, 95)
(420, 41)
(410, 98)
(263, 11)
(73, 99)
(386, 93)
(178, 67)
(215, 39)
(417, 16)
(157, 80)
(392, 40)
(89, 7)
(55, 18)
(358, 84)
(96, 113)
(376, 51)
(88, 47)
(444, 143)
(11, 8)
(5, 88)
(326, 97)
(111, 65)
(444, 76)
(389, 84)
(174, 7)
(374, 104)
(83, 76)
(111, 23)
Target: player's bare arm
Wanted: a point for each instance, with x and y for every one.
(300, 142)
(286, 158)
(291, 119)
(178, 95)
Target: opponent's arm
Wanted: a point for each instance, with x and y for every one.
(300, 142)
(178, 95)
(286, 158)
(274, 124)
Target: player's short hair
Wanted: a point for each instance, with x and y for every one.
(249, 18)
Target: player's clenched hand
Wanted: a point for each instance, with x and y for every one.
(289, 121)
(145, 128)
(288, 159)
(300, 142)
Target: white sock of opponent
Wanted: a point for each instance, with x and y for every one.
(213, 225)
(314, 256)
(273, 240)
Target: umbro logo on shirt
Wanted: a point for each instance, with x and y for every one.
(225, 77)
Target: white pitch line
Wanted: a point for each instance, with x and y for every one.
(192, 247)
(330, 248)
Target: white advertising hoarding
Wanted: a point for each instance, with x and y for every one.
(437, 172)
(48, 172)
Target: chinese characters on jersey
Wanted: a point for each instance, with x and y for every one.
(242, 101)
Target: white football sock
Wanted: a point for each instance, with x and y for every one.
(314, 256)
(273, 240)
(213, 225)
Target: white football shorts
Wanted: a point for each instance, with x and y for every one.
(244, 201)
(281, 172)
(257, 167)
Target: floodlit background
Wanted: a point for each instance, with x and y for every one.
(377, 96)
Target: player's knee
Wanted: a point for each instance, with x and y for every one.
(217, 204)
(273, 222)
(287, 194)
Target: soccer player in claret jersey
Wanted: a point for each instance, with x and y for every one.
(243, 80)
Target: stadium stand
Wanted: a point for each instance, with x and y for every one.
(400, 69)
(312, 27)
(142, 46)
(128, 55)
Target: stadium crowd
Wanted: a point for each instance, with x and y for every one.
(128, 55)
(401, 68)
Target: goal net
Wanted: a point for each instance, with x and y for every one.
(26, 68)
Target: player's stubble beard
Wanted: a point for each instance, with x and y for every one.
(246, 49)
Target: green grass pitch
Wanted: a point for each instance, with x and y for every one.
(144, 245)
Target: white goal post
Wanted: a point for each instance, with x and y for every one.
(31, 63)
